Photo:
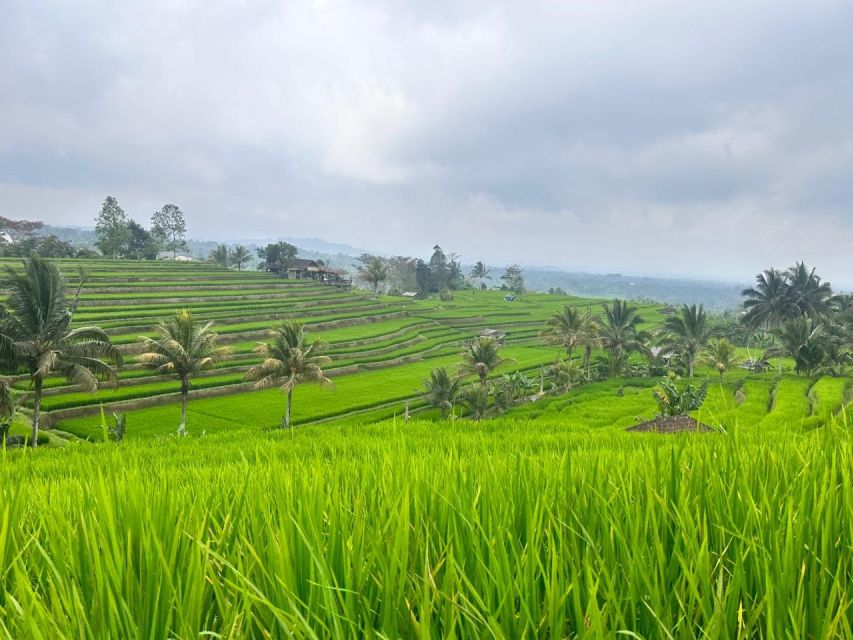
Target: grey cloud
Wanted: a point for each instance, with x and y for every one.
(576, 134)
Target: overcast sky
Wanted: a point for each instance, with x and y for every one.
(705, 138)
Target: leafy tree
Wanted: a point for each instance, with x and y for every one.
(619, 333)
(513, 279)
(289, 360)
(438, 270)
(18, 230)
(373, 270)
(219, 256)
(422, 277)
(42, 246)
(481, 357)
(36, 335)
(686, 333)
(442, 391)
(721, 355)
(479, 273)
(402, 273)
(679, 401)
(112, 228)
(276, 257)
(169, 226)
(140, 245)
(239, 256)
(183, 349)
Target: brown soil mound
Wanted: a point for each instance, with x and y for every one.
(671, 424)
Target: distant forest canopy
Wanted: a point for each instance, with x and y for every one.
(120, 236)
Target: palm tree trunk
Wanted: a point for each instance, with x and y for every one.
(286, 424)
(36, 411)
(184, 401)
(587, 356)
(689, 367)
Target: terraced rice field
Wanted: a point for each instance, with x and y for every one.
(382, 347)
(551, 521)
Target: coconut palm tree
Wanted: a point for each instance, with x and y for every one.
(721, 355)
(219, 256)
(239, 256)
(36, 335)
(7, 409)
(570, 328)
(807, 294)
(767, 304)
(183, 349)
(803, 340)
(476, 400)
(686, 333)
(442, 391)
(289, 360)
(618, 333)
(479, 273)
(564, 374)
(481, 357)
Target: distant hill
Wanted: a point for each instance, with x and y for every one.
(714, 295)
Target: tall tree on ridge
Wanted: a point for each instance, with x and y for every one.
(112, 228)
(170, 227)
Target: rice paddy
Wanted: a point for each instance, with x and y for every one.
(548, 522)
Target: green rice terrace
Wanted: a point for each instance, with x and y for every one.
(425, 489)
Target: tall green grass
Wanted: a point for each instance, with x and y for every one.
(504, 529)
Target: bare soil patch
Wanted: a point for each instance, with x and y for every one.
(671, 424)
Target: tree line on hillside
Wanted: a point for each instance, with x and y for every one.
(793, 313)
(442, 274)
(24, 238)
(119, 236)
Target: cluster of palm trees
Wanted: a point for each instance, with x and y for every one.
(224, 257)
(809, 323)
(37, 340)
(445, 389)
(185, 347)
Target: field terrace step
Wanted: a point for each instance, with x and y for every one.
(224, 325)
(134, 347)
(229, 297)
(53, 417)
(119, 312)
(217, 286)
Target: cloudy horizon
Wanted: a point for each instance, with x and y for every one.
(661, 137)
